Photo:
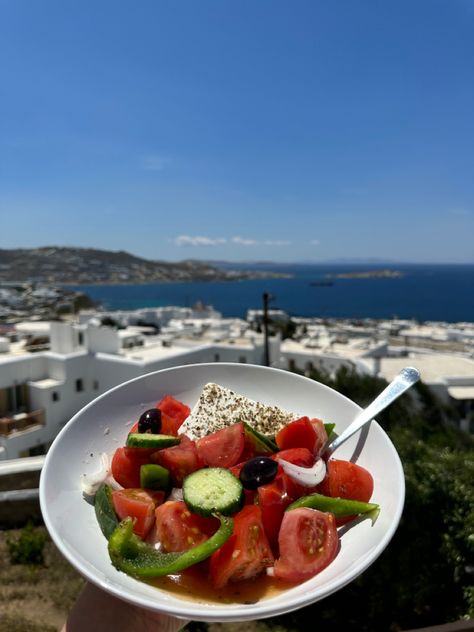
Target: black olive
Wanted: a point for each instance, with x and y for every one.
(150, 421)
(258, 471)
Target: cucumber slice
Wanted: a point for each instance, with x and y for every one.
(155, 477)
(148, 440)
(213, 490)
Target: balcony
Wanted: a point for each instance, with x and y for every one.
(21, 421)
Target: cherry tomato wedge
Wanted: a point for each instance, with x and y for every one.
(347, 480)
(177, 529)
(273, 499)
(321, 434)
(246, 553)
(298, 456)
(168, 425)
(180, 460)
(308, 542)
(126, 464)
(173, 413)
(138, 504)
(222, 448)
(302, 433)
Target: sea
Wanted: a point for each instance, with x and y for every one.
(422, 292)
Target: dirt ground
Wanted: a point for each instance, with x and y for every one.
(34, 598)
(38, 598)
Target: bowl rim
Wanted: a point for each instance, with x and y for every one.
(194, 610)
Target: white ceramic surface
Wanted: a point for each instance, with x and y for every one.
(102, 427)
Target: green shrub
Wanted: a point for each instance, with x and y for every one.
(426, 575)
(28, 547)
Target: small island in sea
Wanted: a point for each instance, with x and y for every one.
(368, 274)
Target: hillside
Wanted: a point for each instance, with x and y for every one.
(87, 266)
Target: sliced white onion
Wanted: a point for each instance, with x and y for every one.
(270, 571)
(176, 494)
(306, 476)
(91, 482)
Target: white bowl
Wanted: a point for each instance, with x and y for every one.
(102, 426)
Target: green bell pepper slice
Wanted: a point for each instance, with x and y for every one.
(340, 507)
(104, 510)
(262, 444)
(135, 557)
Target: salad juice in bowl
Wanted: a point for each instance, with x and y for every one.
(198, 517)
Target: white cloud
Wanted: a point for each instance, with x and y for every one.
(315, 242)
(188, 240)
(276, 242)
(199, 240)
(154, 162)
(244, 242)
(241, 241)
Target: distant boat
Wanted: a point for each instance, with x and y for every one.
(322, 283)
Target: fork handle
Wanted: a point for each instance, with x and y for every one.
(402, 382)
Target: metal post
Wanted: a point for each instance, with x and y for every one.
(266, 300)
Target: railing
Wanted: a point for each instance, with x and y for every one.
(19, 494)
(21, 421)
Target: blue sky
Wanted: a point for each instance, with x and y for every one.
(239, 130)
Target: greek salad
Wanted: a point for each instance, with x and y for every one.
(220, 503)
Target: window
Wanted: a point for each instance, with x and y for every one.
(291, 364)
(80, 338)
(55, 396)
(79, 385)
(242, 359)
(216, 357)
(16, 398)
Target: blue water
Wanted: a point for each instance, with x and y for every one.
(424, 292)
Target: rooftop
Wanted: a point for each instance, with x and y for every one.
(434, 367)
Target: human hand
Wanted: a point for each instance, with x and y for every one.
(97, 611)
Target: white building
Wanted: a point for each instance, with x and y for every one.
(41, 390)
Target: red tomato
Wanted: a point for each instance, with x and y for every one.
(347, 480)
(273, 499)
(134, 428)
(173, 413)
(298, 456)
(248, 493)
(222, 448)
(308, 542)
(180, 460)
(168, 426)
(299, 434)
(126, 464)
(322, 435)
(253, 447)
(177, 529)
(235, 469)
(140, 505)
(246, 553)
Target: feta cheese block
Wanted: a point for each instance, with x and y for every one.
(218, 407)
